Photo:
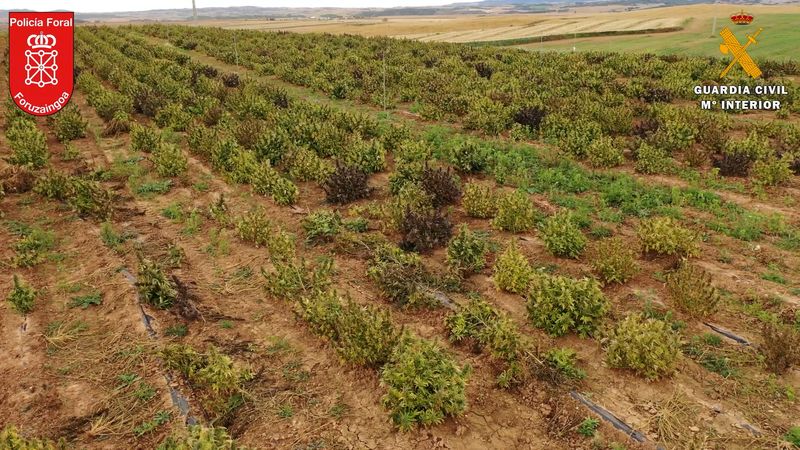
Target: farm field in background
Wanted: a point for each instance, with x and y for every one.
(302, 240)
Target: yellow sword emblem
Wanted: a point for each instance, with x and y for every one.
(739, 52)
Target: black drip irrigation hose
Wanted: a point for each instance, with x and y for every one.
(178, 400)
(609, 417)
(728, 334)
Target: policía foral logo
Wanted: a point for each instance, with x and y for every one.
(40, 59)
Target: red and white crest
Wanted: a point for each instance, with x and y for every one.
(40, 59)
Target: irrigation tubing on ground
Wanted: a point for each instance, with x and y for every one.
(611, 418)
(727, 334)
(178, 399)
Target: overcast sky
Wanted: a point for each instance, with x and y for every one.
(143, 5)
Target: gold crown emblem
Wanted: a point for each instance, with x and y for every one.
(742, 18)
(41, 40)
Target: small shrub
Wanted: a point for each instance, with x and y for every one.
(441, 185)
(515, 213)
(173, 116)
(399, 275)
(588, 427)
(424, 230)
(614, 261)
(88, 197)
(603, 153)
(649, 347)
(479, 201)
(652, 160)
(488, 328)
(772, 171)
(346, 184)
(560, 305)
(53, 185)
(231, 80)
(664, 236)
(109, 103)
(144, 139)
(254, 227)
(121, 123)
(466, 252)
(29, 145)
(512, 271)
(469, 156)
(691, 289)
(199, 437)
(562, 236)
(21, 297)
(302, 164)
(68, 124)
(563, 360)
(154, 287)
(781, 347)
(424, 384)
(322, 226)
(362, 335)
(33, 247)
(11, 439)
(169, 160)
(292, 278)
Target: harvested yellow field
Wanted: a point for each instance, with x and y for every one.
(502, 27)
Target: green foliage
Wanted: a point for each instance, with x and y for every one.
(665, 236)
(652, 160)
(563, 360)
(109, 103)
(254, 227)
(515, 212)
(33, 247)
(198, 437)
(28, 143)
(424, 384)
(479, 201)
(22, 296)
(303, 164)
(691, 289)
(560, 305)
(399, 275)
(68, 124)
(292, 278)
(792, 436)
(362, 335)
(11, 439)
(88, 197)
(466, 251)
(588, 427)
(613, 261)
(469, 156)
(512, 271)
(121, 123)
(488, 116)
(169, 160)
(772, 171)
(482, 324)
(173, 116)
(144, 139)
(649, 347)
(211, 371)
(603, 152)
(154, 287)
(322, 226)
(85, 301)
(410, 197)
(562, 236)
(53, 185)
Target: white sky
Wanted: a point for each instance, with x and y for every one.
(143, 5)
